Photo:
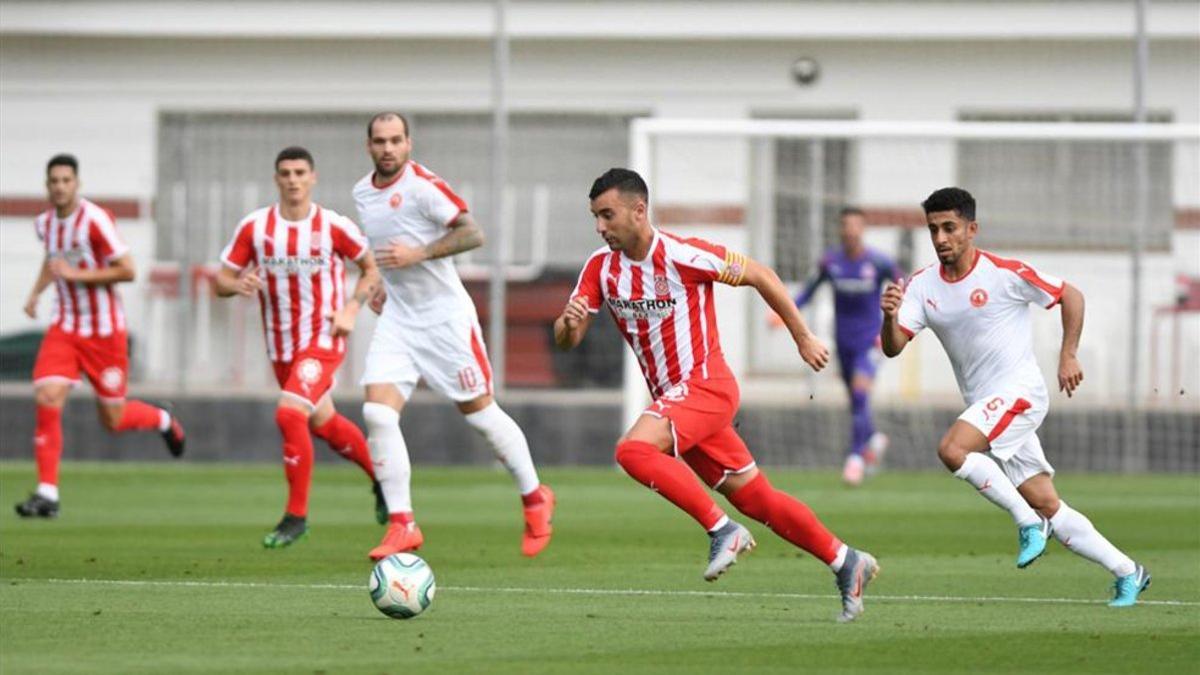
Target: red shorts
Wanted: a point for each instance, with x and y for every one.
(309, 376)
(105, 361)
(701, 416)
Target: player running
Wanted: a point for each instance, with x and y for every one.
(857, 274)
(977, 304)
(658, 289)
(85, 260)
(292, 255)
(428, 329)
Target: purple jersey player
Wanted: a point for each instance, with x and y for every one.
(858, 275)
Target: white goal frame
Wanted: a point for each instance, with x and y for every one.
(644, 130)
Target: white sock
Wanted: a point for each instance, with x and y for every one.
(1078, 534)
(48, 491)
(389, 455)
(509, 444)
(840, 560)
(991, 482)
(164, 420)
(720, 523)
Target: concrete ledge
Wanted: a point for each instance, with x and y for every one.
(580, 430)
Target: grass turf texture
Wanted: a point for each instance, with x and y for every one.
(306, 609)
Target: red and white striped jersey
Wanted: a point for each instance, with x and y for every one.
(304, 274)
(663, 305)
(87, 239)
(982, 319)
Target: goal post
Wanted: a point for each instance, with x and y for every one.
(1061, 195)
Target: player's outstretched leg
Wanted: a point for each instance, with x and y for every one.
(860, 433)
(47, 450)
(1080, 536)
(961, 452)
(344, 438)
(135, 415)
(393, 473)
(796, 523)
(297, 468)
(511, 448)
(650, 466)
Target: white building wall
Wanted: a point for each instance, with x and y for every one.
(94, 81)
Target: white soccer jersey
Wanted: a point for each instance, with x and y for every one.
(416, 208)
(663, 305)
(983, 322)
(86, 239)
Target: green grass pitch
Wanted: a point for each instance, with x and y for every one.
(159, 569)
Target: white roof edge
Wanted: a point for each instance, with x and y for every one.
(692, 20)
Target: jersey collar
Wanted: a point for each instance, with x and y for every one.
(974, 263)
(399, 174)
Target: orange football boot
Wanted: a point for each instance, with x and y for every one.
(399, 538)
(537, 523)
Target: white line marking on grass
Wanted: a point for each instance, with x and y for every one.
(183, 583)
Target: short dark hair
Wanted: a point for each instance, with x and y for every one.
(950, 199)
(295, 152)
(851, 211)
(63, 159)
(386, 116)
(625, 181)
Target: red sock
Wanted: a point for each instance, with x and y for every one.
(787, 517)
(533, 498)
(669, 478)
(139, 415)
(401, 518)
(346, 440)
(297, 458)
(47, 443)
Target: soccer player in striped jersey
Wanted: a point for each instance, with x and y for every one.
(977, 304)
(428, 330)
(85, 260)
(658, 289)
(292, 256)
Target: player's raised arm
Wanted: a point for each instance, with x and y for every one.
(119, 270)
(368, 281)
(1070, 373)
(464, 234)
(771, 288)
(892, 337)
(231, 281)
(572, 324)
(43, 280)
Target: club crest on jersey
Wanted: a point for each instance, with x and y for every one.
(309, 372)
(979, 297)
(395, 200)
(111, 378)
(661, 286)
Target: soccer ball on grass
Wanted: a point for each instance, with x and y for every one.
(402, 586)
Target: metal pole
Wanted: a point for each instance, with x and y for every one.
(499, 239)
(1135, 450)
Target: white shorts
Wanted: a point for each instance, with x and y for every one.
(449, 356)
(1010, 421)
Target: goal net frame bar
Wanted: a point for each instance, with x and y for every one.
(644, 129)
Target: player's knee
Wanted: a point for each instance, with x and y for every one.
(286, 416)
(628, 450)
(952, 453)
(49, 397)
(379, 416)
(110, 417)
